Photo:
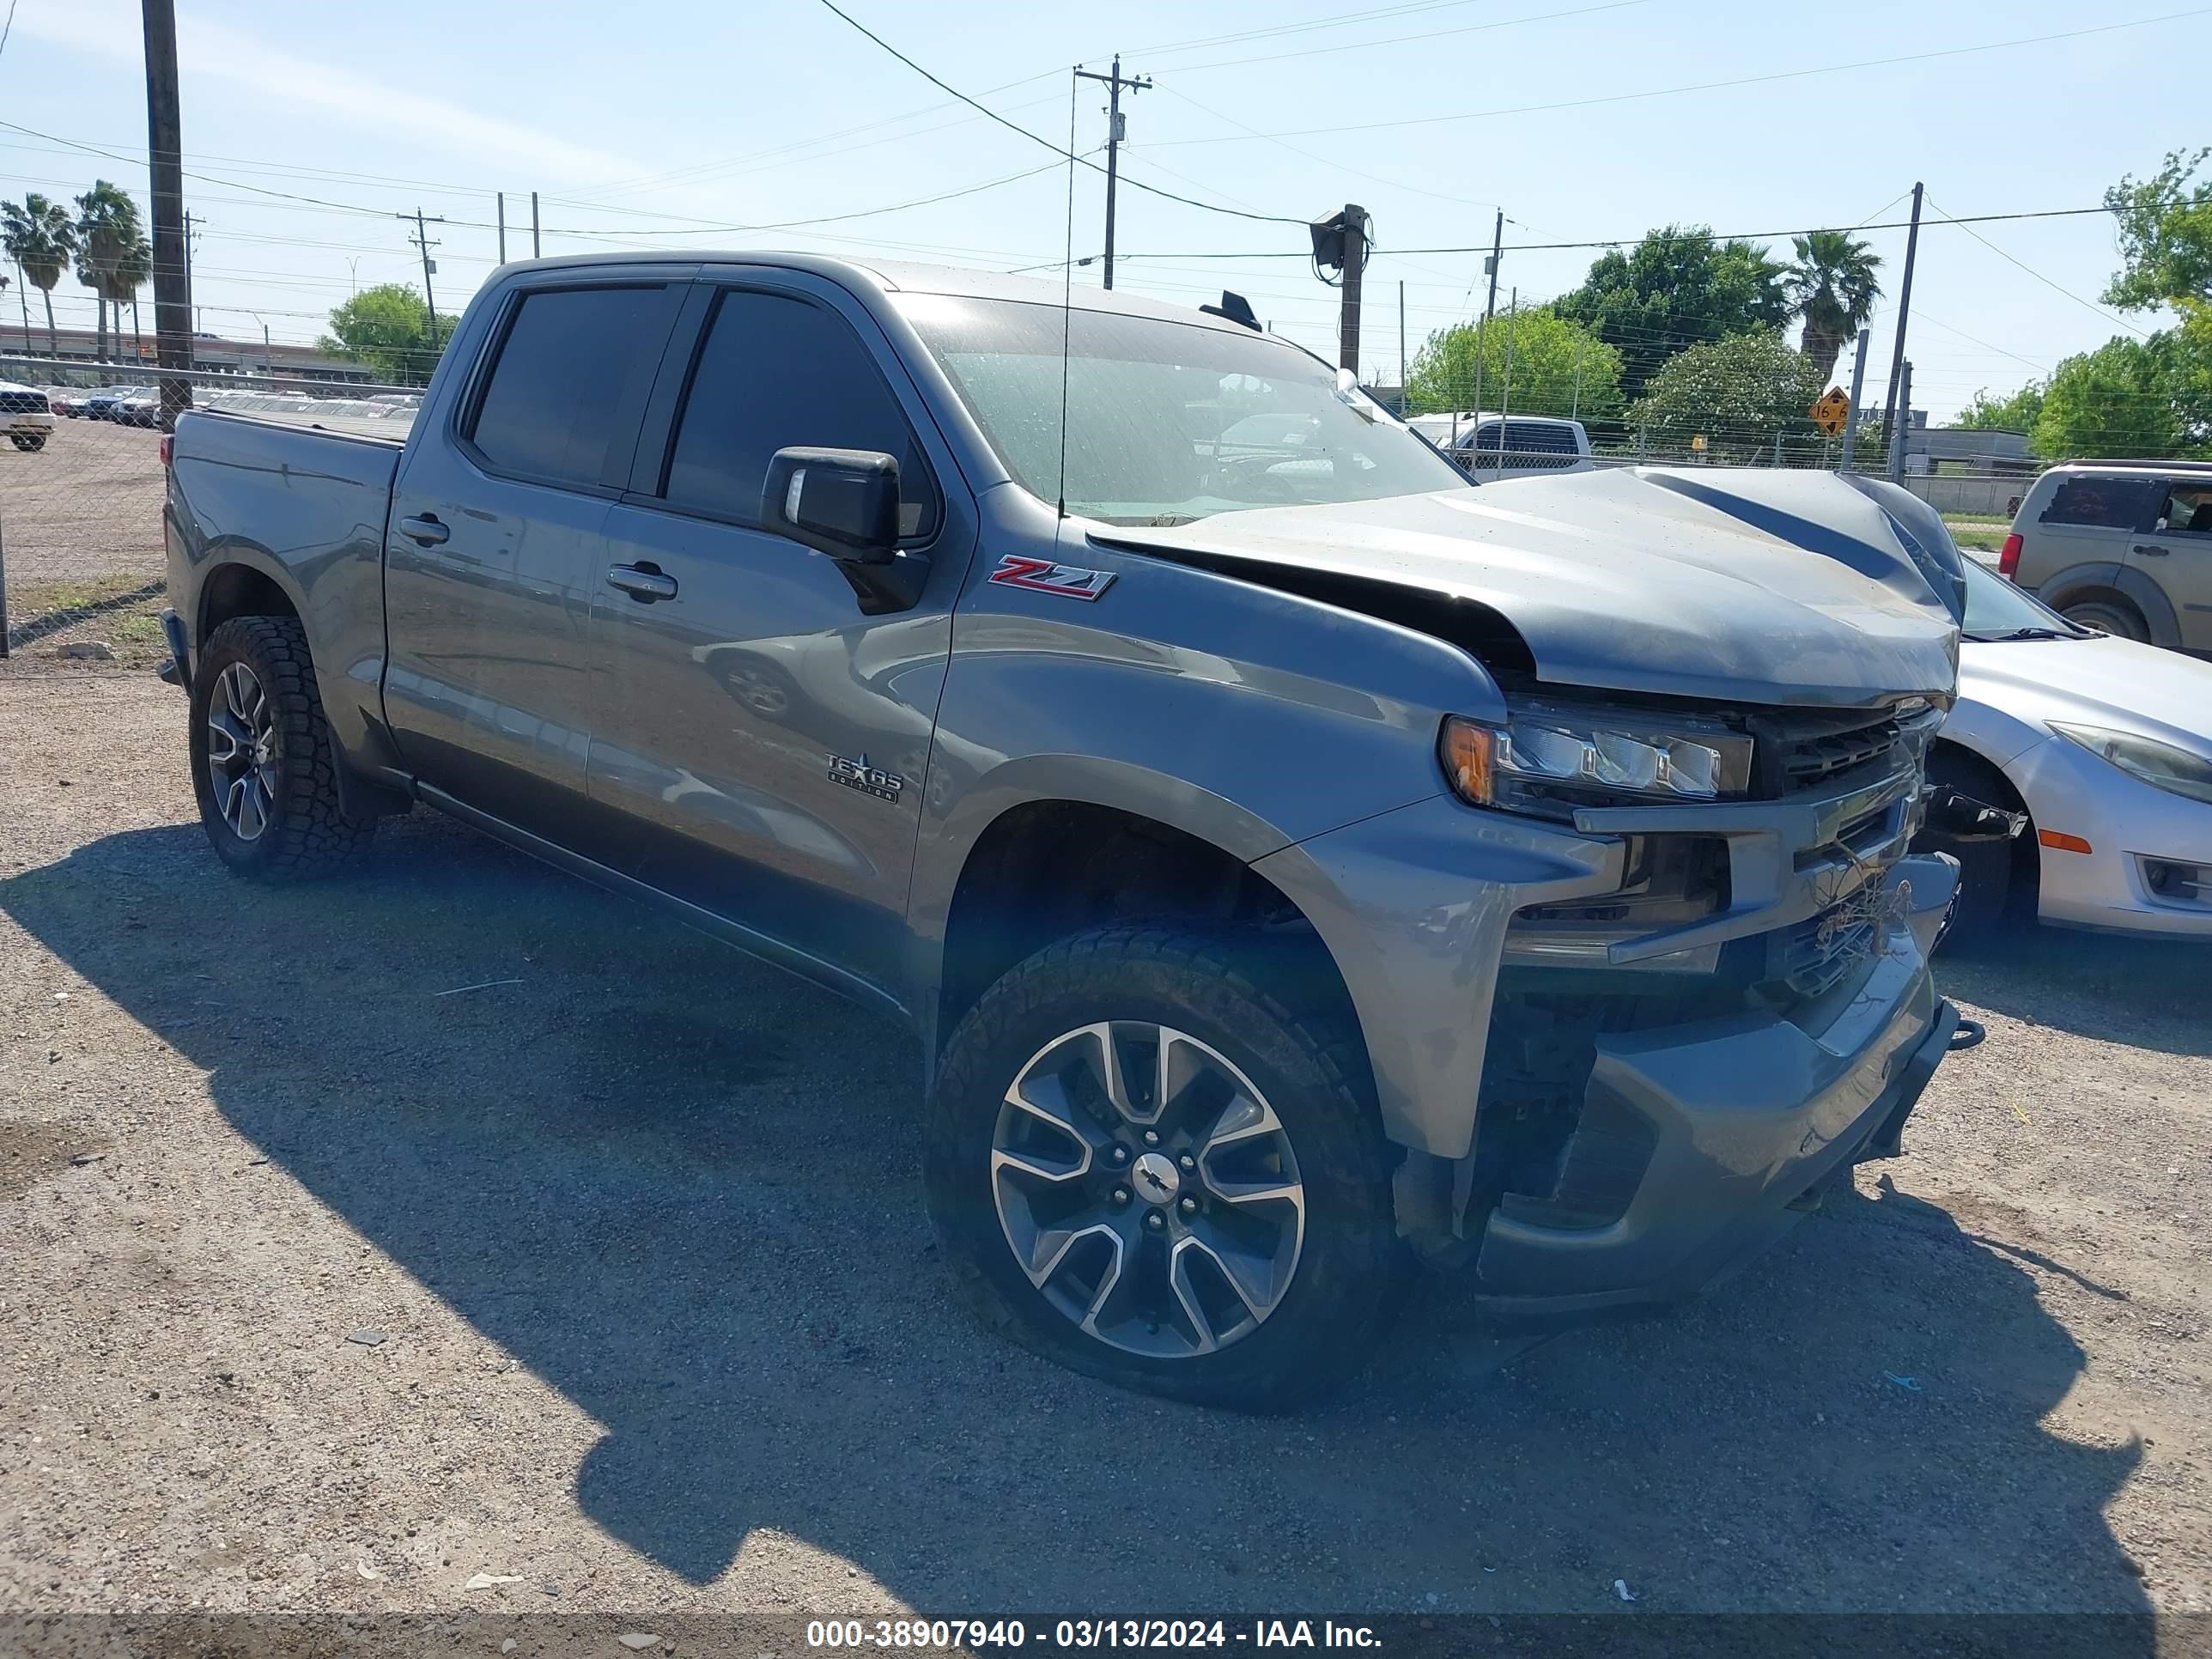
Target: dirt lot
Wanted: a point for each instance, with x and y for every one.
(81, 545)
(636, 1222)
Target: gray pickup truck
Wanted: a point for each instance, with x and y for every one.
(1297, 863)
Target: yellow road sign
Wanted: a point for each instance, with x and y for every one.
(1832, 412)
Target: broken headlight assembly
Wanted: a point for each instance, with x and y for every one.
(1549, 760)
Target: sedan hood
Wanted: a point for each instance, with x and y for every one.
(2101, 681)
(1736, 585)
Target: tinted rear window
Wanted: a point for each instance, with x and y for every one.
(2101, 503)
(550, 410)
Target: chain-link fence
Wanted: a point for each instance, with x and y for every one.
(81, 559)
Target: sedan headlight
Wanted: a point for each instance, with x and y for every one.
(2161, 765)
(1551, 760)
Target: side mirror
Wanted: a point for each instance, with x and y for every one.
(843, 502)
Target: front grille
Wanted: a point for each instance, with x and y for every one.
(1813, 958)
(23, 402)
(1813, 757)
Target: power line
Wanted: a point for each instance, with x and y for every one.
(1401, 39)
(1715, 86)
(2090, 304)
(1038, 138)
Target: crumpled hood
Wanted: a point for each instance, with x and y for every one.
(1737, 584)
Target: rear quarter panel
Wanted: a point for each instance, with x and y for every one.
(305, 509)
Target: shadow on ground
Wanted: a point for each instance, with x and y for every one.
(680, 1188)
(2147, 993)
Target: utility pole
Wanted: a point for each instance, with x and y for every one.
(1858, 385)
(1505, 400)
(534, 252)
(422, 240)
(1497, 258)
(1904, 314)
(1898, 434)
(1355, 256)
(1114, 83)
(165, 144)
(1403, 377)
(502, 227)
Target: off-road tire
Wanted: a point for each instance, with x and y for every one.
(2114, 617)
(1231, 992)
(309, 832)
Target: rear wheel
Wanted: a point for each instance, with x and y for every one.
(1145, 1163)
(263, 764)
(29, 442)
(2114, 617)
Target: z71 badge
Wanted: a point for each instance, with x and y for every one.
(868, 780)
(1070, 582)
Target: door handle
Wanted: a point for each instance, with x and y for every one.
(642, 582)
(426, 530)
(2149, 552)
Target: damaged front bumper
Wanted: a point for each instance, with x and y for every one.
(1693, 1132)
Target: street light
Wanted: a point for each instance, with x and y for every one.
(268, 363)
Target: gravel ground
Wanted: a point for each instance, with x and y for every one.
(331, 1284)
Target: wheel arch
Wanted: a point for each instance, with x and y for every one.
(2001, 792)
(2109, 580)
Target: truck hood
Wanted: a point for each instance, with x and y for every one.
(1735, 585)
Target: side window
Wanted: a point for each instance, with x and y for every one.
(775, 373)
(2100, 502)
(2187, 510)
(552, 407)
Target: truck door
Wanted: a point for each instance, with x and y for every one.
(765, 739)
(2176, 553)
(495, 547)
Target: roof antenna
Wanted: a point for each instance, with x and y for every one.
(1068, 289)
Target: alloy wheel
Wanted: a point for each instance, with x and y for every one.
(241, 751)
(1147, 1190)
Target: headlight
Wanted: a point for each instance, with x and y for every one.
(2161, 765)
(1544, 759)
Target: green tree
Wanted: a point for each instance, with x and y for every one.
(1676, 288)
(1547, 356)
(41, 237)
(108, 231)
(2128, 398)
(1833, 287)
(2017, 413)
(1737, 393)
(128, 273)
(2165, 224)
(388, 327)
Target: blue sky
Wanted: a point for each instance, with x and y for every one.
(642, 124)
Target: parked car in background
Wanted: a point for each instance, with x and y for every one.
(100, 405)
(2125, 547)
(67, 400)
(2105, 744)
(141, 406)
(1492, 446)
(25, 416)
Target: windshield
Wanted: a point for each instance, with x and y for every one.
(1166, 422)
(1996, 609)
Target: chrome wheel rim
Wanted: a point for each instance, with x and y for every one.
(1147, 1190)
(241, 751)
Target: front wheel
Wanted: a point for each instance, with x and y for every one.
(29, 442)
(264, 766)
(1147, 1162)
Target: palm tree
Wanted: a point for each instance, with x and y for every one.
(108, 232)
(132, 266)
(40, 236)
(1833, 286)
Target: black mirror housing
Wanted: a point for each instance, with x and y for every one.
(843, 502)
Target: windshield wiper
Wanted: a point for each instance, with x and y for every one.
(2021, 633)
